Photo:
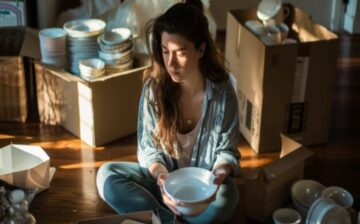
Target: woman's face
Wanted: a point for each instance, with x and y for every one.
(180, 56)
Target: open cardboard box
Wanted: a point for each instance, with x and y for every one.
(97, 111)
(17, 46)
(267, 188)
(25, 166)
(134, 217)
(284, 87)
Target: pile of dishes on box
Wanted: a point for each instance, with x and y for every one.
(314, 203)
(271, 27)
(91, 51)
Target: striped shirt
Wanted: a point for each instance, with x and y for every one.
(217, 140)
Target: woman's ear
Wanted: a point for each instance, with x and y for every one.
(202, 49)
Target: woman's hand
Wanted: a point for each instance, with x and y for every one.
(221, 172)
(169, 202)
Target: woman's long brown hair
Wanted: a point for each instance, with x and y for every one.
(187, 20)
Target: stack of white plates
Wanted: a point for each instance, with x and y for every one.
(116, 49)
(82, 37)
(53, 46)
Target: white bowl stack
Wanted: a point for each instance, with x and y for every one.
(91, 68)
(319, 204)
(82, 37)
(53, 46)
(116, 49)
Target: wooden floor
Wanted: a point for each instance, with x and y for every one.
(73, 195)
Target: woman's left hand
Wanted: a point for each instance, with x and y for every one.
(221, 172)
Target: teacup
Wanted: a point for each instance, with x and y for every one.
(286, 216)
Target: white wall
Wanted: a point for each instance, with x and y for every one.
(352, 17)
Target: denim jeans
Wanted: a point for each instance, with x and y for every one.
(125, 187)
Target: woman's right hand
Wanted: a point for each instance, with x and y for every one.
(169, 202)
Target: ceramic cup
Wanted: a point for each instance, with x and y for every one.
(286, 216)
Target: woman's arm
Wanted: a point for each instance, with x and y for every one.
(227, 154)
(147, 153)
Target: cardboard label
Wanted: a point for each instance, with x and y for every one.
(300, 79)
(248, 114)
(297, 108)
(252, 118)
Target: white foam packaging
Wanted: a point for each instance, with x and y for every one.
(25, 166)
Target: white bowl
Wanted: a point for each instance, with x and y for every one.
(304, 193)
(339, 195)
(192, 186)
(267, 9)
(84, 27)
(286, 216)
(92, 67)
(116, 36)
(52, 33)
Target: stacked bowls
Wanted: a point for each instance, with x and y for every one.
(116, 49)
(82, 37)
(53, 46)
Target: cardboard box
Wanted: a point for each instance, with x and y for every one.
(134, 217)
(282, 88)
(99, 111)
(12, 13)
(25, 166)
(15, 44)
(267, 188)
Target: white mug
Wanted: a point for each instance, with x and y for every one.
(286, 216)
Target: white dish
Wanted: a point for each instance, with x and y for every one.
(304, 193)
(324, 211)
(116, 36)
(267, 9)
(286, 216)
(193, 186)
(339, 195)
(84, 27)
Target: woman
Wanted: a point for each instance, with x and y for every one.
(187, 117)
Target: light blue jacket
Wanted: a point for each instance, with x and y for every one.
(218, 136)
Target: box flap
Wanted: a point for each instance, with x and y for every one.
(308, 30)
(31, 46)
(19, 41)
(11, 40)
(292, 154)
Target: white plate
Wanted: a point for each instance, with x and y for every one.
(84, 27)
